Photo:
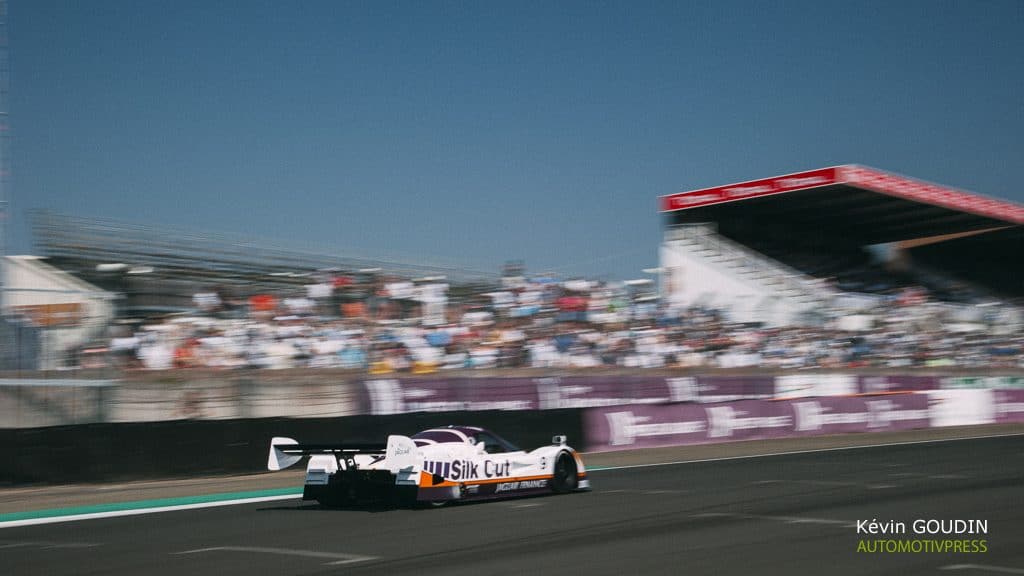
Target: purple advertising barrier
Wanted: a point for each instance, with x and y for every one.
(878, 384)
(748, 420)
(640, 426)
(644, 426)
(899, 412)
(1009, 406)
(651, 426)
(389, 395)
(729, 388)
(828, 415)
(592, 391)
(399, 396)
(499, 394)
(394, 396)
(840, 415)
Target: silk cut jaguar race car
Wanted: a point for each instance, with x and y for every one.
(433, 467)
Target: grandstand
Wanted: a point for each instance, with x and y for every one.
(159, 269)
(782, 250)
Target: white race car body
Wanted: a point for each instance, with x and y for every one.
(436, 465)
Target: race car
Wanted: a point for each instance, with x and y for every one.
(434, 467)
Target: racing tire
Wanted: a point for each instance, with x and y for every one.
(565, 479)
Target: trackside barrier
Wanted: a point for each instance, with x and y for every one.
(626, 427)
(34, 403)
(395, 396)
(1009, 406)
(597, 413)
(433, 394)
(137, 450)
(168, 449)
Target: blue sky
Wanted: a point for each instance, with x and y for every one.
(477, 132)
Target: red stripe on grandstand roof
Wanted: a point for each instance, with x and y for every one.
(861, 177)
(746, 190)
(928, 193)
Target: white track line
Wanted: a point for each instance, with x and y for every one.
(984, 568)
(828, 483)
(49, 545)
(336, 557)
(786, 519)
(138, 511)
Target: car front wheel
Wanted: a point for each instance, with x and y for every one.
(565, 479)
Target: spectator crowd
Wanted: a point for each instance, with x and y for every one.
(403, 327)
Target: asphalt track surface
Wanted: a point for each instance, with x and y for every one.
(783, 514)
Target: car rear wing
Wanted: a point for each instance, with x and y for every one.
(398, 453)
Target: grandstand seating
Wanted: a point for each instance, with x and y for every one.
(767, 280)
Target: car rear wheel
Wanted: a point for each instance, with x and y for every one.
(565, 479)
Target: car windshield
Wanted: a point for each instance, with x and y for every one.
(437, 437)
(494, 444)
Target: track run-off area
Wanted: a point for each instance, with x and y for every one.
(748, 508)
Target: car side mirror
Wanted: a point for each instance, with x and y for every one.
(558, 440)
(480, 448)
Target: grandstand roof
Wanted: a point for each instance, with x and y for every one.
(855, 203)
(213, 256)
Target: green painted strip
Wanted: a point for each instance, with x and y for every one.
(139, 504)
